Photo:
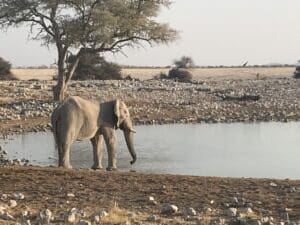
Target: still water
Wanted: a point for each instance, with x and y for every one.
(236, 150)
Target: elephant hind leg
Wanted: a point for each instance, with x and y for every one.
(60, 155)
(65, 156)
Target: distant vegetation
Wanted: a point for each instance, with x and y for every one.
(180, 72)
(297, 71)
(5, 67)
(184, 62)
(91, 66)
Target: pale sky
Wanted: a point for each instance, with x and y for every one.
(213, 32)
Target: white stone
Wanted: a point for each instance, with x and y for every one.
(74, 211)
(208, 210)
(12, 203)
(2, 211)
(70, 195)
(24, 213)
(152, 200)
(18, 196)
(4, 197)
(152, 218)
(235, 200)
(82, 213)
(220, 221)
(71, 218)
(232, 212)
(27, 222)
(103, 214)
(190, 212)
(272, 184)
(97, 219)
(249, 210)
(6, 216)
(45, 216)
(265, 219)
(257, 222)
(84, 222)
(169, 209)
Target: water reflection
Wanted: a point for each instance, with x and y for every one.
(236, 150)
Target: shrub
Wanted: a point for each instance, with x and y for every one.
(181, 75)
(5, 67)
(93, 66)
(184, 62)
(297, 72)
(108, 71)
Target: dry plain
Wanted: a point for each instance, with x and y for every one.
(148, 73)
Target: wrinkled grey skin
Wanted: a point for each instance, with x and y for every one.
(78, 119)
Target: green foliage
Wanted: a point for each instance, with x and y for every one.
(5, 67)
(92, 66)
(184, 62)
(181, 75)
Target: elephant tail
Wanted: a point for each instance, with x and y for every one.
(54, 122)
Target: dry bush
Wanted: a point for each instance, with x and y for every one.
(94, 67)
(5, 73)
(116, 215)
(181, 75)
(297, 72)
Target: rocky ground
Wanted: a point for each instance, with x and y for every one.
(33, 195)
(26, 105)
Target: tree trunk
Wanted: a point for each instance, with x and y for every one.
(59, 90)
(61, 87)
(64, 75)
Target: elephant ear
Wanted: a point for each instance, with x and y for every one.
(117, 112)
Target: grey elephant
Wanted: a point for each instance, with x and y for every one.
(78, 119)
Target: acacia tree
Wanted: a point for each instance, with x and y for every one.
(83, 26)
(184, 62)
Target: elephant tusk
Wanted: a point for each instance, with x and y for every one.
(132, 130)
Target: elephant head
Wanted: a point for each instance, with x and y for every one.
(123, 121)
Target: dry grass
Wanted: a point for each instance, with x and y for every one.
(205, 73)
(39, 74)
(116, 215)
(148, 73)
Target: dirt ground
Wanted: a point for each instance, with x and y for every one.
(48, 188)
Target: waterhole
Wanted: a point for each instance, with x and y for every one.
(228, 150)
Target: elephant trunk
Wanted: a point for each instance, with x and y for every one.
(129, 141)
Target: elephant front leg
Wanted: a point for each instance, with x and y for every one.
(111, 143)
(97, 143)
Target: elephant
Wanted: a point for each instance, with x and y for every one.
(76, 118)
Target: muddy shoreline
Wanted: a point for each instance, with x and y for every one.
(25, 106)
